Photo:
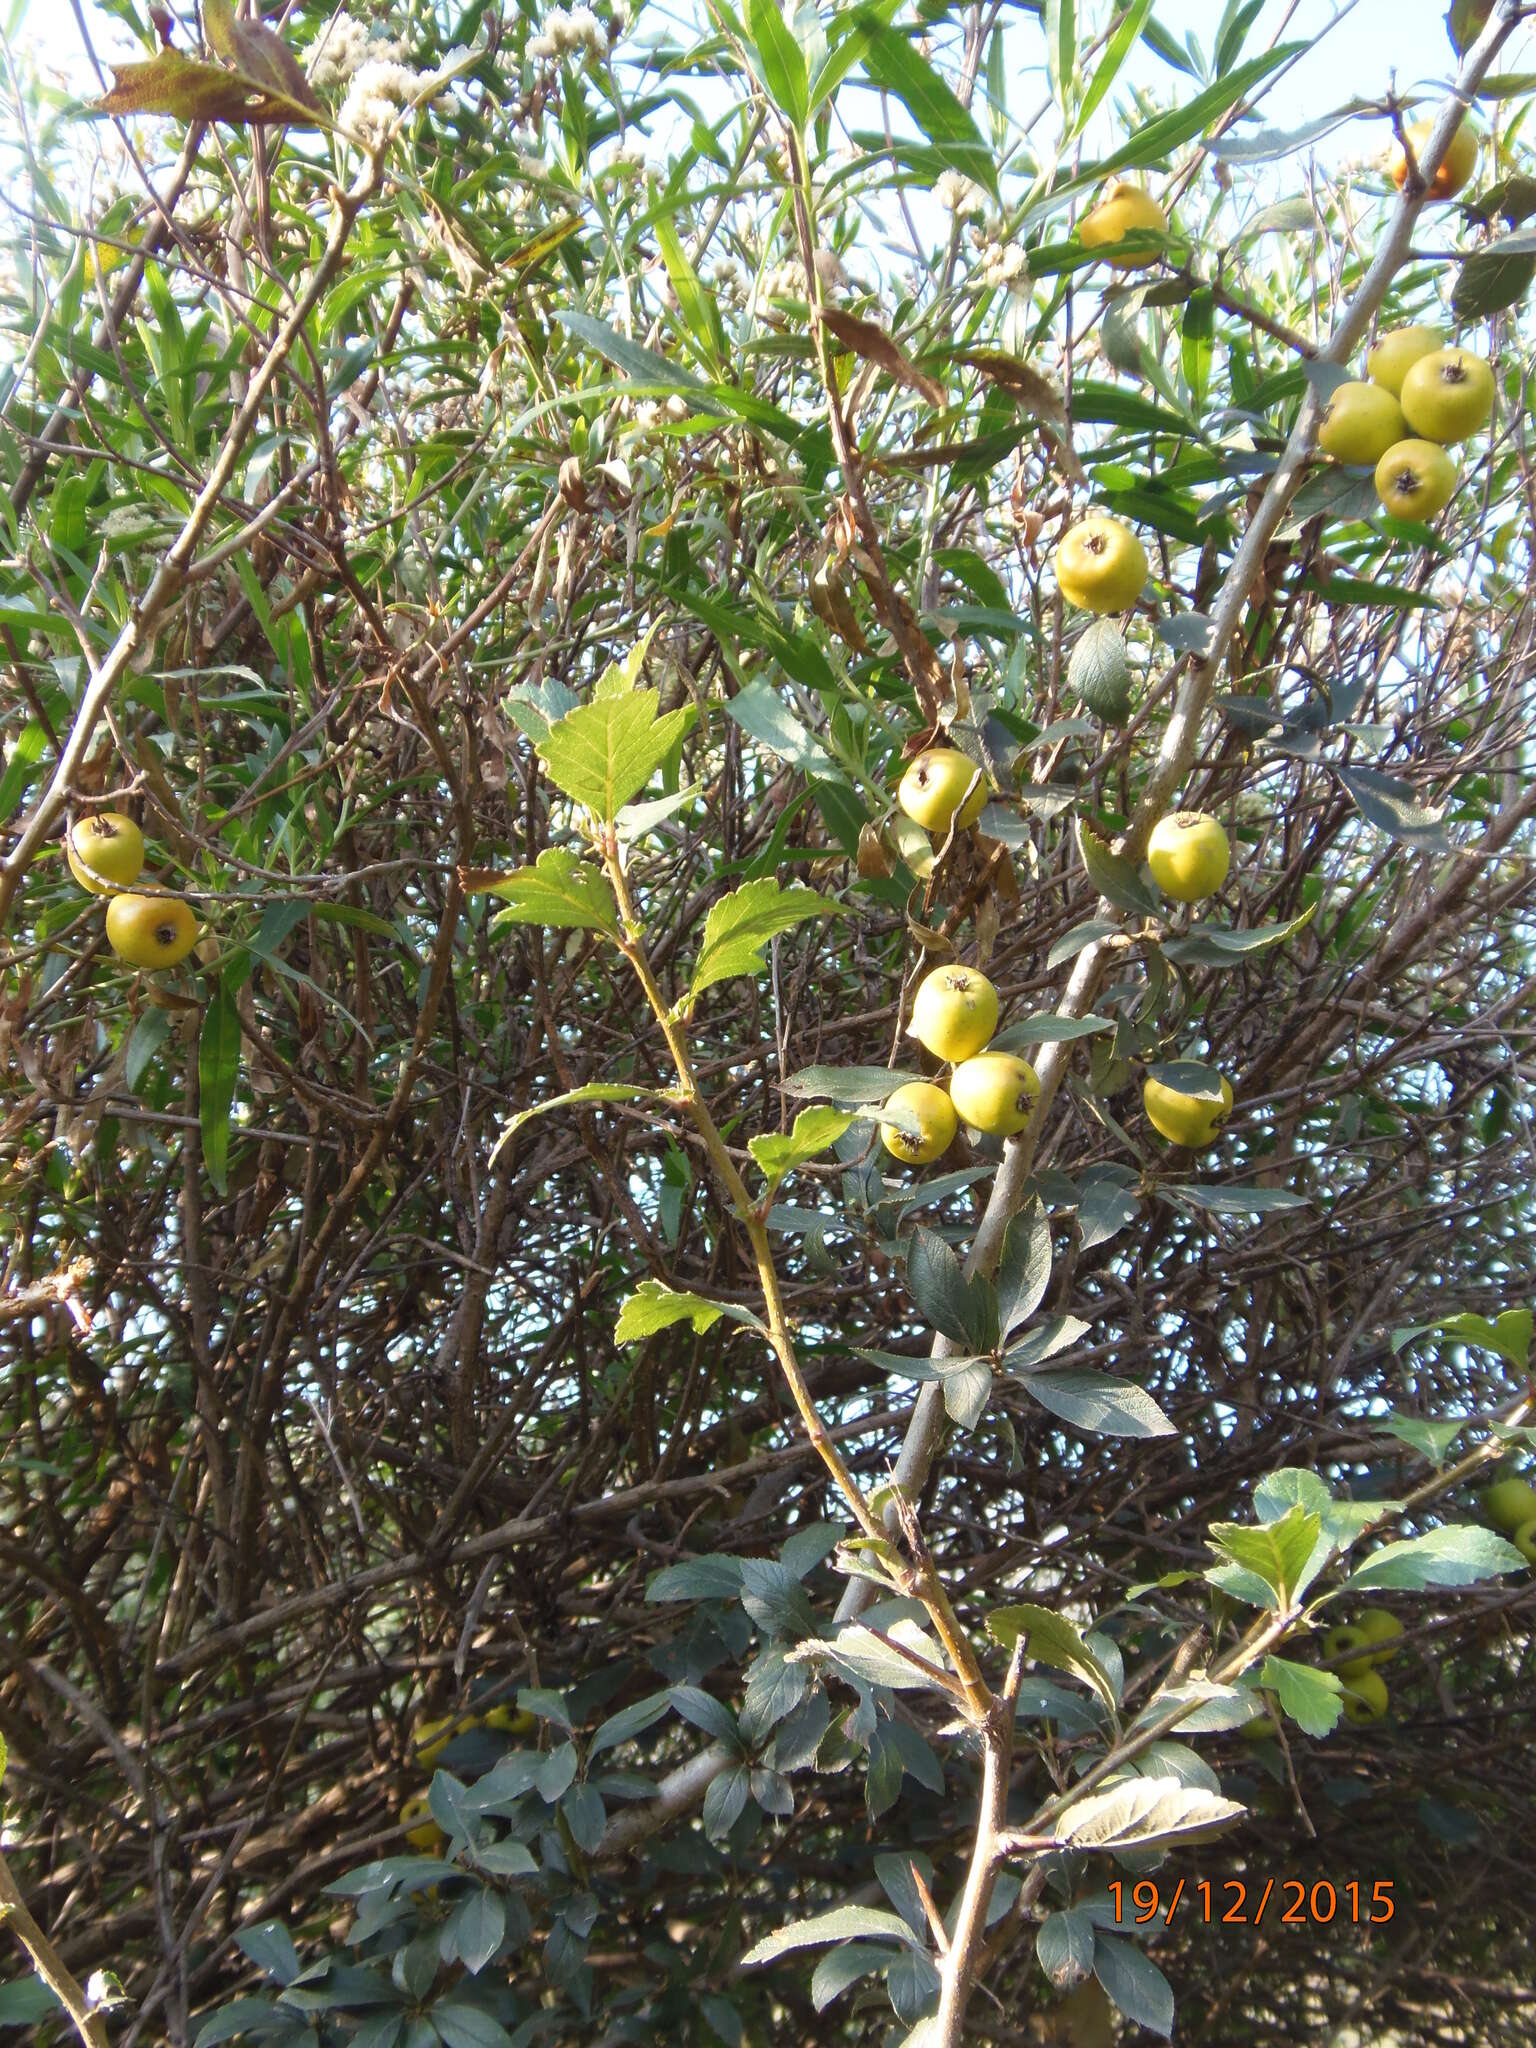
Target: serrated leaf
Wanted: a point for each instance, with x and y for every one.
(967, 1387)
(1024, 1266)
(1443, 1557)
(1048, 1029)
(1138, 1811)
(725, 1801)
(741, 924)
(1312, 1699)
(1509, 1334)
(1115, 878)
(871, 1656)
(1095, 1402)
(1106, 1204)
(656, 1306)
(560, 891)
(1134, 1984)
(963, 1310)
(603, 753)
(1044, 1341)
(1064, 1946)
(1053, 1640)
(710, 1577)
(1278, 1552)
(814, 1131)
(842, 1923)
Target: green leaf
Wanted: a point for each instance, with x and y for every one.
(740, 925)
(814, 1131)
(218, 1069)
(590, 1091)
(655, 1306)
(1279, 1552)
(1099, 673)
(1061, 49)
(560, 891)
(1116, 878)
(891, 62)
(964, 1311)
(697, 304)
(21, 768)
(1430, 1439)
(1064, 1947)
(1232, 1200)
(843, 1923)
(1116, 50)
(762, 712)
(1138, 1811)
(1444, 1557)
(1491, 279)
(1312, 1699)
(851, 1087)
(190, 90)
(603, 753)
(781, 61)
(1212, 945)
(841, 1967)
(1189, 1077)
(1095, 1402)
(868, 1654)
(1391, 805)
(1509, 1334)
(463, 2025)
(1134, 1984)
(1052, 1639)
(1024, 1266)
(1047, 1029)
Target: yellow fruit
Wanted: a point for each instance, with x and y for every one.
(1509, 1502)
(1415, 479)
(1448, 395)
(1101, 565)
(1524, 1540)
(1185, 1119)
(510, 1720)
(1380, 1629)
(1188, 855)
(954, 1012)
(428, 1837)
(1396, 353)
(1339, 1642)
(932, 790)
(1460, 158)
(1360, 423)
(151, 931)
(1124, 210)
(105, 852)
(1365, 1697)
(994, 1092)
(935, 1115)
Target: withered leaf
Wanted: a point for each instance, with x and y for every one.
(876, 346)
(1036, 393)
(189, 90)
(259, 54)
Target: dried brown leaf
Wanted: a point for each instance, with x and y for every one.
(876, 346)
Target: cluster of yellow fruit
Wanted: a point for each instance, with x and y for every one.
(147, 929)
(1419, 397)
(1510, 1505)
(954, 1016)
(431, 1738)
(1365, 1690)
(955, 1011)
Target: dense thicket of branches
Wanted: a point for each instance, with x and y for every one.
(313, 1413)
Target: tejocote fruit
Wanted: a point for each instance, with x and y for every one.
(954, 1012)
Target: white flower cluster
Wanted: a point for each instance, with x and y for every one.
(627, 161)
(781, 281)
(1001, 265)
(381, 88)
(567, 34)
(650, 414)
(960, 195)
(730, 281)
(344, 49)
